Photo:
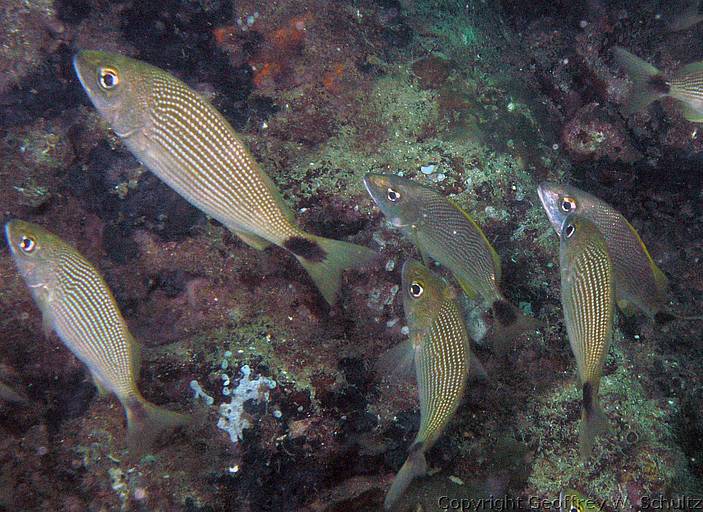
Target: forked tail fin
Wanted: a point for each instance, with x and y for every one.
(648, 83)
(146, 421)
(510, 323)
(326, 259)
(414, 466)
(593, 420)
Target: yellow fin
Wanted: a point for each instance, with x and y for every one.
(468, 290)
(494, 254)
(135, 355)
(326, 259)
(693, 67)
(690, 113)
(252, 240)
(659, 277)
(627, 308)
(146, 421)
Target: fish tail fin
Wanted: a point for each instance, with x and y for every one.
(648, 83)
(415, 466)
(146, 421)
(593, 420)
(510, 323)
(326, 259)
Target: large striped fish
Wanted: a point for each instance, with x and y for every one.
(649, 84)
(439, 346)
(639, 282)
(588, 300)
(77, 304)
(187, 143)
(444, 232)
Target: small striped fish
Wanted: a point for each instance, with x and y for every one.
(639, 282)
(442, 231)
(77, 304)
(588, 299)
(187, 143)
(439, 344)
(649, 84)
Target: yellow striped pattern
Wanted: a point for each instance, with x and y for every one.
(78, 305)
(588, 296)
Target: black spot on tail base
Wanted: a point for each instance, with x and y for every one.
(664, 318)
(305, 248)
(588, 399)
(504, 312)
(658, 84)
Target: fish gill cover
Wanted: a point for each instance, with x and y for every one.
(481, 101)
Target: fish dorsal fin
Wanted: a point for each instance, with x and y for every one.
(660, 279)
(689, 69)
(494, 254)
(252, 240)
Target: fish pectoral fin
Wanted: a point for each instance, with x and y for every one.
(252, 240)
(691, 114)
(628, 309)
(476, 370)
(47, 324)
(398, 362)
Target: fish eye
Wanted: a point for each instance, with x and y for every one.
(27, 244)
(574, 509)
(569, 231)
(416, 289)
(568, 204)
(108, 78)
(392, 195)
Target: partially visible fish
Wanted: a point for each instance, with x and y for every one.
(439, 346)
(649, 84)
(188, 144)
(588, 300)
(77, 304)
(442, 231)
(10, 395)
(685, 18)
(639, 282)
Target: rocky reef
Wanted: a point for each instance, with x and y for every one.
(481, 100)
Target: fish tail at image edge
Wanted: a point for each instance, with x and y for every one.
(648, 83)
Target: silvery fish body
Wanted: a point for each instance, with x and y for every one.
(439, 344)
(638, 280)
(77, 304)
(588, 300)
(187, 143)
(444, 232)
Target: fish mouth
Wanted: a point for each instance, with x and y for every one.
(9, 237)
(550, 199)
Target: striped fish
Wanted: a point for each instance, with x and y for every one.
(77, 304)
(649, 84)
(439, 347)
(187, 143)
(442, 231)
(639, 282)
(588, 300)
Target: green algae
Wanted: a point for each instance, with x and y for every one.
(639, 447)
